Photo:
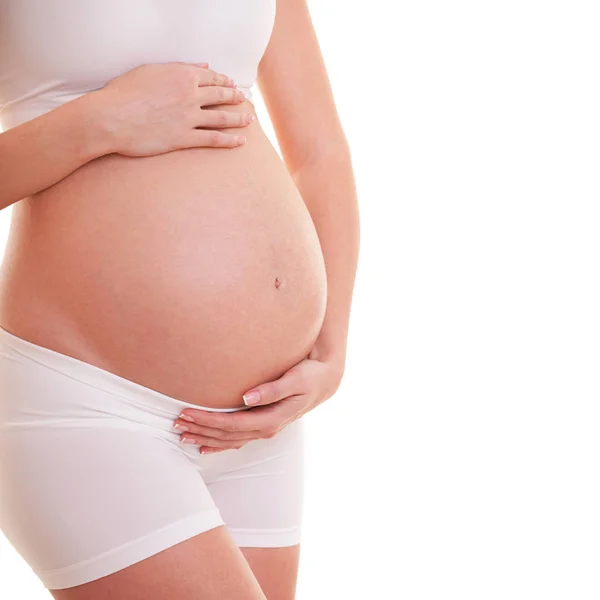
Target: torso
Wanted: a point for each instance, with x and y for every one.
(197, 273)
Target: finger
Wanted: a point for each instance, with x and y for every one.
(207, 77)
(201, 65)
(291, 383)
(210, 95)
(200, 440)
(209, 450)
(195, 138)
(223, 118)
(256, 419)
(212, 432)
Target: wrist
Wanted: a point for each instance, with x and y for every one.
(97, 139)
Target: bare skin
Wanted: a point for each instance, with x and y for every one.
(276, 570)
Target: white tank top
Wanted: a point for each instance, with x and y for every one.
(52, 51)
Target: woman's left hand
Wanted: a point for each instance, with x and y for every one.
(281, 402)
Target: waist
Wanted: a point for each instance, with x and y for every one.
(23, 364)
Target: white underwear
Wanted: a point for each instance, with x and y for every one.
(93, 478)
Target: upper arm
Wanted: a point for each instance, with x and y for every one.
(295, 87)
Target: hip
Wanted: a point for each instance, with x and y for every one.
(93, 477)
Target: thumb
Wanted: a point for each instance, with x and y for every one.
(273, 391)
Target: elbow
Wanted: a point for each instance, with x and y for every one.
(327, 151)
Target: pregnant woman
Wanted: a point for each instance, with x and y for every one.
(168, 278)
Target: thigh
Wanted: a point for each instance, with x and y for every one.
(276, 570)
(208, 566)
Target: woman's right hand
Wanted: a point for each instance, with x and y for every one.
(157, 108)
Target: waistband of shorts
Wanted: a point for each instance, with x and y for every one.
(98, 377)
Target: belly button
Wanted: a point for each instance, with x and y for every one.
(277, 282)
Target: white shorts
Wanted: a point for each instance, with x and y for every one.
(93, 477)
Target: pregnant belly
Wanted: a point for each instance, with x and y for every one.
(197, 273)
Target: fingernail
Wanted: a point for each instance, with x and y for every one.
(186, 418)
(189, 441)
(251, 398)
(180, 427)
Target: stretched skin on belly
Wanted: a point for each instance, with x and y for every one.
(197, 273)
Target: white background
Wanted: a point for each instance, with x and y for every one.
(460, 457)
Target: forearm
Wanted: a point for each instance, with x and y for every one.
(38, 153)
(326, 183)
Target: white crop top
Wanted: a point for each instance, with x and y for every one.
(52, 51)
